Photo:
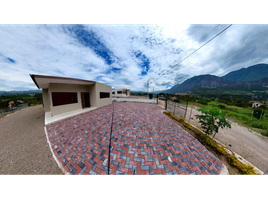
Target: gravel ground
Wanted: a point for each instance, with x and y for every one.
(23, 144)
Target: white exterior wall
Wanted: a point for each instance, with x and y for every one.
(121, 95)
(94, 95)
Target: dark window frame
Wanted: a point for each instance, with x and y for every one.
(119, 92)
(64, 98)
(104, 95)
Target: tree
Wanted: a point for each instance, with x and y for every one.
(212, 119)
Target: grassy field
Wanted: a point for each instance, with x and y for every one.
(242, 116)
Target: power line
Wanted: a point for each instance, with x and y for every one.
(205, 36)
(198, 48)
(185, 33)
(187, 30)
(201, 38)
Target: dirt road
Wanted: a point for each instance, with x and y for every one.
(23, 144)
(250, 145)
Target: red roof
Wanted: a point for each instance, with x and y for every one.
(11, 102)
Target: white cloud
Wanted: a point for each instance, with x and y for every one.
(52, 50)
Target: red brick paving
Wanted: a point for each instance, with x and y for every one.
(144, 141)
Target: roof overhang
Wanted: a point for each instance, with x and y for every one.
(121, 89)
(42, 82)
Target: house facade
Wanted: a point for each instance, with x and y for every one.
(11, 104)
(256, 104)
(62, 95)
(122, 92)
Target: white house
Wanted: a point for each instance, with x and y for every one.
(122, 92)
(63, 95)
(256, 104)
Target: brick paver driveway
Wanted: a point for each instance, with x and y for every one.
(143, 141)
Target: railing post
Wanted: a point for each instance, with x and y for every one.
(166, 103)
(186, 108)
(157, 99)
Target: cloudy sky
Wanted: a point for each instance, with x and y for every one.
(127, 55)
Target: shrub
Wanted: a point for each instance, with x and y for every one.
(232, 160)
(197, 132)
(181, 119)
(258, 112)
(258, 124)
(221, 150)
(244, 169)
(209, 141)
(167, 112)
(203, 102)
(222, 106)
(187, 125)
(176, 100)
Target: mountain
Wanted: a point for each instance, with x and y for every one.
(255, 76)
(20, 92)
(252, 73)
(202, 81)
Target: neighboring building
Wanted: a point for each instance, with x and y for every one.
(181, 94)
(122, 92)
(10, 104)
(256, 104)
(62, 95)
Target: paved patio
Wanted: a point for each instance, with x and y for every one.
(144, 141)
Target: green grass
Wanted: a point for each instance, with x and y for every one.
(243, 116)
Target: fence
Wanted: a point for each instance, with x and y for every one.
(178, 109)
(11, 110)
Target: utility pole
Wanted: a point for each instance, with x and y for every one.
(148, 88)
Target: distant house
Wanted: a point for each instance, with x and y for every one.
(10, 104)
(173, 98)
(256, 104)
(122, 92)
(19, 101)
(181, 94)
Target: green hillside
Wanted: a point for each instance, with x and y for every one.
(252, 73)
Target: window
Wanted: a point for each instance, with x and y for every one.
(112, 92)
(119, 92)
(104, 95)
(62, 98)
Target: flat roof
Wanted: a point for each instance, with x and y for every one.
(42, 81)
(121, 89)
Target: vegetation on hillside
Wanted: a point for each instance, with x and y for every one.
(238, 110)
(30, 99)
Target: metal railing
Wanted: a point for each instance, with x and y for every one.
(178, 109)
(11, 110)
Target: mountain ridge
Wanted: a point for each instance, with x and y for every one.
(253, 75)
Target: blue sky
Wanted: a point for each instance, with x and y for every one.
(126, 56)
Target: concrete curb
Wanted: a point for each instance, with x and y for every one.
(224, 171)
(58, 163)
(241, 159)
